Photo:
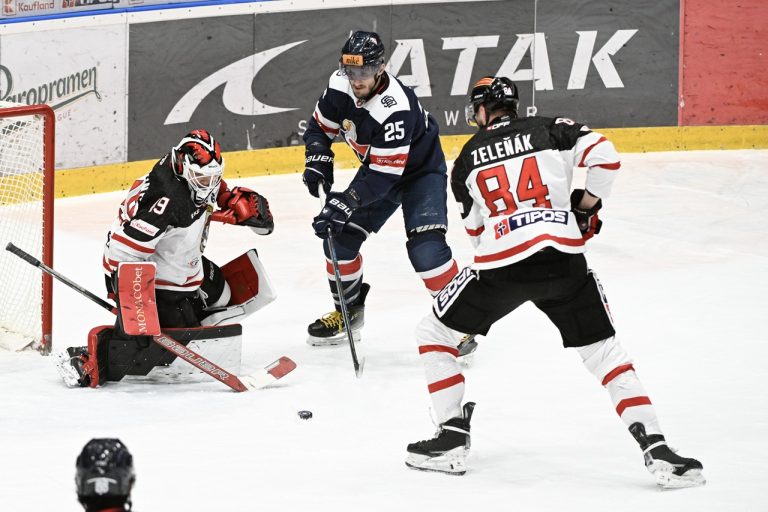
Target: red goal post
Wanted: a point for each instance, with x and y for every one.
(26, 220)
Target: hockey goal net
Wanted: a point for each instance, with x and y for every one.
(26, 220)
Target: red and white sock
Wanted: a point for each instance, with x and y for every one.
(438, 352)
(438, 277)
(609, 362)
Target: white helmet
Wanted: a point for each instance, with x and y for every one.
(197, 159)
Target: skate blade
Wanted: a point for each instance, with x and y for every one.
(669, 480)
(68, 374)
(450, 463)
(339, 339)
(466, 361)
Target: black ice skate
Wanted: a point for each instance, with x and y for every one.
(671, 470)
(329, 330)
(447, 451)
(70, 363)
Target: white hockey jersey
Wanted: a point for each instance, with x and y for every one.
(513, 183)
(159, 222)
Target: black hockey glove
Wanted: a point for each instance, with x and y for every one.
(335, 214)
(587, 220)
(318, 163)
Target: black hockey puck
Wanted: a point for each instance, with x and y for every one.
(305, 415)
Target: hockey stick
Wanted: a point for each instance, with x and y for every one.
(269, 374)
(358, 365)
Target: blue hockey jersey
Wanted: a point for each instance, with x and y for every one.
(394, 138)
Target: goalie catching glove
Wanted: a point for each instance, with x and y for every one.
(586, 218)
(244, 207)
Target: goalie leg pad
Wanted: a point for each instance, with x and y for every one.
(250, 286)
(222, 344)
(136, 297)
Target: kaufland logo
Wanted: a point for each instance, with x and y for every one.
(14, 7)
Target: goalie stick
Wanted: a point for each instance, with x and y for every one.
(258, 380)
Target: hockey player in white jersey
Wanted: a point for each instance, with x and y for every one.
(164, 220)
(512, 181)
(402, 163)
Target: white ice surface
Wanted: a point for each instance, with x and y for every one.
(684, 260)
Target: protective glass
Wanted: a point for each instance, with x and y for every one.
(358, 72)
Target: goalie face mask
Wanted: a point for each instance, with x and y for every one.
(104, 472)
(197, 160)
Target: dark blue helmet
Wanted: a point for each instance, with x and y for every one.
(105, 475)
(363, 49)
(495, 93)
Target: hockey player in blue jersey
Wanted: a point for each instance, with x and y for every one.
(402, 163)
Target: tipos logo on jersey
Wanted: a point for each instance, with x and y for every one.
(451, 291)
(349, 132)
(520, 220)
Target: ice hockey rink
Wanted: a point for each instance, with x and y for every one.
(683, 256)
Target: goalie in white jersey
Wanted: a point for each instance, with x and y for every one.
(164, 221)
(512, 181)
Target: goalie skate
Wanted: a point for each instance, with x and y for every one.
(69, 363)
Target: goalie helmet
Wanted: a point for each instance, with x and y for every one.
(362, 55)
(197, 160)
(105, 474)
(494, 93)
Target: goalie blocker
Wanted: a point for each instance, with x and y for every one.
(127, 349)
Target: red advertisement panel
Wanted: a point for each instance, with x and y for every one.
(725, 63)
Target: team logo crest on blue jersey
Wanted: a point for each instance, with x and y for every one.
(349, 132)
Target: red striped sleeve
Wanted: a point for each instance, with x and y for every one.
(590, 148)
(327, 129)
(611, 167)
(475, 232)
